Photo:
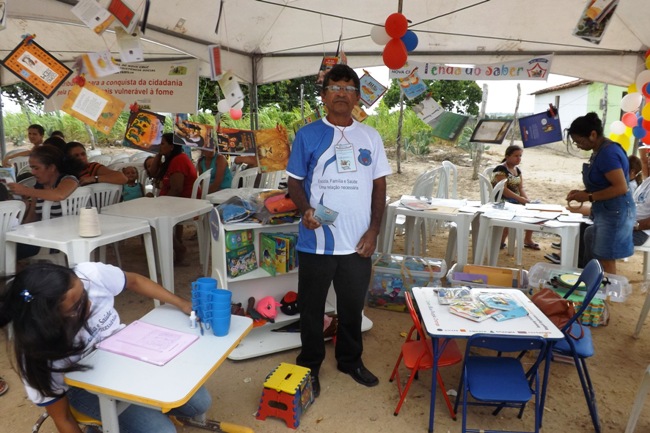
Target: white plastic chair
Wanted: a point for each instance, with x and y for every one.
(101, 159)
(645, 248)
(140, 156)
(452, 179)
(12, 213)
(247, 178)
(487, 172)
(122, 157)
(489, 193)
(106, 194)
(271, 180)
(202, 182)
(28, 181)
(20, 162)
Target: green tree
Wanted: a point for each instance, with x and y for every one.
(461, 97)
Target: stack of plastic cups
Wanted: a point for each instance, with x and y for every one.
(212, 305)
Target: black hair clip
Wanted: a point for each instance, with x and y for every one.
(27, 297)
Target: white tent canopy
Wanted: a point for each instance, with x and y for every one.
(269, 40)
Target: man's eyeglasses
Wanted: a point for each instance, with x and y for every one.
(347, 89)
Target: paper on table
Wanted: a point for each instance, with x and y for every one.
(545, 207)
(500, 214)
(146, 342)
(571, 218)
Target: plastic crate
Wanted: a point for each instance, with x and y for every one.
(518, 280)
(394, 274)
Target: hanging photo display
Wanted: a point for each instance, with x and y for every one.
(35, 66)
(594, 20)
(232, 141)
(540, 128)
(93, 106)
(491, 131)
(412, 85)
(144, 130)
(273, 148)
(444, 125)
(193, 134)
(371, 89)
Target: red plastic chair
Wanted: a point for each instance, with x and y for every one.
(418, 355)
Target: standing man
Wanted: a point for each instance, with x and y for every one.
(337, 165)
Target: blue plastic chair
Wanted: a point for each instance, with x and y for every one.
(493, 379)
(582, 348)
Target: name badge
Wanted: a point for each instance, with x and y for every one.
(345, 162)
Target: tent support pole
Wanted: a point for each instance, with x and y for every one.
(252, 96)
(3, 144)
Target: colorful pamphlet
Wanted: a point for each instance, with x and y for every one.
(144, 130)
(93, 15)
(510, 314)
(448, 296)
(93, 106)
(499, 301)
(371, 89)
(149, 343)
(325, 215)
(473, 310)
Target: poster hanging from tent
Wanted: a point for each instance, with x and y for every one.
(491, 131)
(594, 20)
(411, 85)
(193, 134)
(371, 89)
(540, 128)
(144, 129)
(93, 15)
(34, 65)
(94, 107)
(232, 141)
(272, 148)
(124, 15)
(444, 125)
(100, 64)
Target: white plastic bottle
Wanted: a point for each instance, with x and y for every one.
(193, 319)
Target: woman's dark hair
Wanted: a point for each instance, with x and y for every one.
(510, 150)
(57, 142)
(584, 125)
(168, 137)
(71, 145)
(58, 134)
(342, 72)
(51, 155)
(42, 334)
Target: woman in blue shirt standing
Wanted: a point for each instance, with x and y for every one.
(605, 177)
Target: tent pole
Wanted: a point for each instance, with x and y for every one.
(252, 95)
(3, 145)
(399, 131)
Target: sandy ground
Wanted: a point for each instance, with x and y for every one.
(345, 406)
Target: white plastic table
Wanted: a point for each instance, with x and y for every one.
(63, 234)
(441, 324)
(491, 229)
(463, 222)
(119, 381)
(162, 214)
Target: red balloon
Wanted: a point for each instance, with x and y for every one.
(395, 54)
(396, 25)
(646, 139)
(645, 124)
(629, 119)
(646, 90)
(647, 53)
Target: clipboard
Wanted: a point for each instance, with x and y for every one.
(149, 343)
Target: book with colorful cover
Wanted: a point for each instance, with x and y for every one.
(267, 253)
(447, 296)
(473, 310)
(499, 301)
(510, 314)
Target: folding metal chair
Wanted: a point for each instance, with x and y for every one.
(417, 355)
(493, 379)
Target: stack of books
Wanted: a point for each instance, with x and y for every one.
(278, 252)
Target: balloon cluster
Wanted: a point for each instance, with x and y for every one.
(235, 111)
(399, 40)
(636, 120)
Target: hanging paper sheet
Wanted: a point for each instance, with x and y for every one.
(412, 85)
(144, 130)
(93, 15)
(371, 89)
(93, 106)
(540, 128)
(193, 134)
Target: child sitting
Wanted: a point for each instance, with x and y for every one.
(133, 188)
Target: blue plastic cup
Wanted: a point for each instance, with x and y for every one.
(202, 290)
(221, 324)
(221, 299)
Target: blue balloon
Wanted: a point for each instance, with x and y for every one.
(410, 40)
(639, 121)
(639, 132)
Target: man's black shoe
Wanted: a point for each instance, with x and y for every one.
(315, 386)
(362, 375)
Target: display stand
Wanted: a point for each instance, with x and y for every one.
(258, 284)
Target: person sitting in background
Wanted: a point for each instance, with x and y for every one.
(58, 315)
(35, 135)
(57, 134)
(57, 142)
(132, 189)
(636, 172)
(221, 176)
(92, 172)
(514, 189)
(176, 177)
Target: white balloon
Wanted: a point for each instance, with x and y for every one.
(378, 35)
(239, 105)
(642, 79)
(631, 102)
(617, 127)
(223, 106)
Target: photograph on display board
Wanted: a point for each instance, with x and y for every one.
(93, 106)
(34, 65)
(193, 134)
(273, 148)
(540, 128)
(232, 141)
(144, 130)
(491, 131)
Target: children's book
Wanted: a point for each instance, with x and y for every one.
(499, 301)
(447, 296)
(510, 314)
(267, 253)
(473, 310)
(149, 343)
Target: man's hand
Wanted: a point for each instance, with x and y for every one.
(309, 221)
(367, 243)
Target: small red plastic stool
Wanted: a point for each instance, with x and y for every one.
(287, 394)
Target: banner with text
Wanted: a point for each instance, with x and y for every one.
(537, 68)
(166, 86)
